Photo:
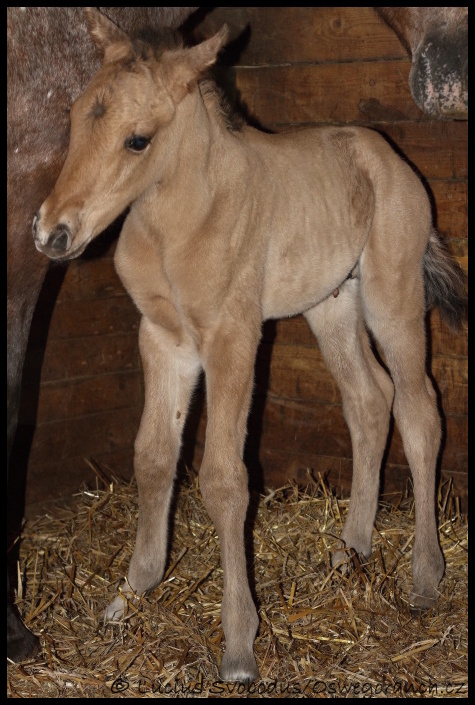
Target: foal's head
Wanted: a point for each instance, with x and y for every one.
(122, 132)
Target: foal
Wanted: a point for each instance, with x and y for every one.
(228, 227)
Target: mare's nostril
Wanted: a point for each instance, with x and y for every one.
(465, 72)
(35, 222)
(60, 238)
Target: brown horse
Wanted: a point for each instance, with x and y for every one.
(229, 226)
(437, 41)
(43, 81)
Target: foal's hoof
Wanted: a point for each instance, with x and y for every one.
(340, 560)
(427, 572)
(116, 610)
(420, 603)
(344, 559)
(242, 669)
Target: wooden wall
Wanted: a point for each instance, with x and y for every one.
(292, 67)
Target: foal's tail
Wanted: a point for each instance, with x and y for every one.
(445, 282)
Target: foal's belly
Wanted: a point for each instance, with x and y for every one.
(301, 275)
(317, 215)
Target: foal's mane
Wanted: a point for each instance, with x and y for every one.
(217, 103)
(151, 43)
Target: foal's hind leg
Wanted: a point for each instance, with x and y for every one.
(367, 393)
(170, 374)
(229, 356)
(394, 310)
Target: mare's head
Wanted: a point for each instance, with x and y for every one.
(437, 41)
(121, 128)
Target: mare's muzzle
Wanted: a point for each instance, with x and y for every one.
(439, 75)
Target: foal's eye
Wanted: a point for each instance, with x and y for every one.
(137, 143)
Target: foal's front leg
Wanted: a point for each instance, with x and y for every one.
(229, 364)
(170, 374)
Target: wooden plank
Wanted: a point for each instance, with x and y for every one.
(455, 450)
(279, 35)
(70, 399)
(280, 466)
(91, 279)
(291, 331)
(308, 427)
(295, 331)
(88, 435)
(82, 357)
(82, 319)
(458, 248)
(356, 93)
(295, 372)
(364, 92)
(325, 438)
(319, 428)
(451, 376)
(55, 480)
(445, 341)
(438, 151)
(52, 480)
(451, 204)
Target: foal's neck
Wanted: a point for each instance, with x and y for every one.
(200, 146)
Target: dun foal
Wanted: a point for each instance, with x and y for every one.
(228, 227)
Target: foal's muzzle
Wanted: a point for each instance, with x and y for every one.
(57, 243)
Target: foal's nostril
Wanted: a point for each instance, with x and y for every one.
(60, 238)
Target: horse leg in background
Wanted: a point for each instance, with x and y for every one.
(394, 309)
(23, 286)
(367, 394)
(170, 374)
(21, 643)
(229, 357)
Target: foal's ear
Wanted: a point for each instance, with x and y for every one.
(205, 54)
(183, 67)
(107, 36)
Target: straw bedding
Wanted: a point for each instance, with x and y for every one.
(323, 633)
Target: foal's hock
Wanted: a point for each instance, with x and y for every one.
(227, 227)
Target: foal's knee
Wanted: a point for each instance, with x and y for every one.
(153, 471)
(224, 488)
(155, 455)
(419, 422)
(367, 410)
